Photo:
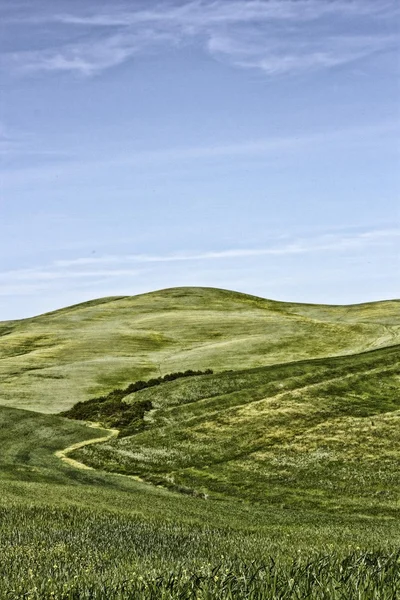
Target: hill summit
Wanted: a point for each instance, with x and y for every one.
(49, 362)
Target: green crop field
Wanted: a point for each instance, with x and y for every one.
(275, 476)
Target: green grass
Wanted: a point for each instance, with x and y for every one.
(70, 533)
(275, 477)
(112, 410)
(50, 362)
(321, 434)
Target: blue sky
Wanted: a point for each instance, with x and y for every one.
(243, 144)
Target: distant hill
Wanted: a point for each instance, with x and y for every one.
(49, 362)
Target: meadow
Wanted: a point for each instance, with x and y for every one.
(71, 533)
(320, 433)
(275, 476)
(50, 362)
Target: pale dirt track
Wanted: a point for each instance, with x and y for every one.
(63, 454)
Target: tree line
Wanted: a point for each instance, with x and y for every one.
(112, 411)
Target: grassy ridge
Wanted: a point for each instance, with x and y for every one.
(48, 363)
(320, 433)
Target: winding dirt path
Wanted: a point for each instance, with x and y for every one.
(63, 454)
(112, 433)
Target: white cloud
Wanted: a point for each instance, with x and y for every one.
(264, 147)
(201, 14)
(90, 57)
(124, 274)
(293, 54)
(331, 242)
(277, 37)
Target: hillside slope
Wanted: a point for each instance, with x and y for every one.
(48, 363)
(322, 433)
(73, 533)
(284, 451)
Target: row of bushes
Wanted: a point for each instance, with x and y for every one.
(112, 411)
(141, 385)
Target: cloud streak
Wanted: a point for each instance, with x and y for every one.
(276, 37)
(331, 242)
(264, 147)
(133, 265)
(202, 13)
(259, 270)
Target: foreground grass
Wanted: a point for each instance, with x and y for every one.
(67, 533)
(75, 554)
(48, 363)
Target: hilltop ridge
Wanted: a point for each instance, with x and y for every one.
(49, 362)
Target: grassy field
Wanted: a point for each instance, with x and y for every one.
(71, 533)
(321, 433)
(275, 477)
(48, 363)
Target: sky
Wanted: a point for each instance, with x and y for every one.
(250, 145)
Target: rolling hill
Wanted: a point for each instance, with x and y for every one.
(49, 362)
(321, 433)
(271, 472)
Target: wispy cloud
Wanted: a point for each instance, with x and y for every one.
(205, 12)
(10, 142)
(29, 281)
(81, 278)
(132, 265)
(273, 147)
(284, 36)
(20, 145)
(329, 242)
(41, 275)
(92, 56)
(291, 55)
